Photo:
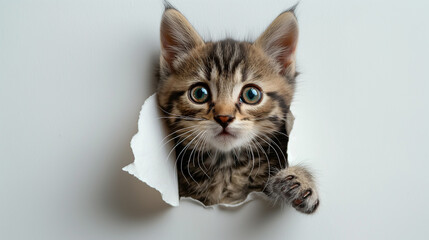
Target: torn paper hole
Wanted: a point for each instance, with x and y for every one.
(154, 160)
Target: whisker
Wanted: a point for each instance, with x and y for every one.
(272, 129)
(184, 118)
(181, 160)
(175, 114)
(193, 129)
(268, 162)
(259, 156)
(176, 132)
(281, 150)
(180, 143)
(250, 150)
(202, 159)
(271, 146)
(266, 118)
(195, 149)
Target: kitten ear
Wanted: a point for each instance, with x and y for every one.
(279, 41)
(177, 36)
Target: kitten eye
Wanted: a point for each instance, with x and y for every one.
(199, 94)
(251, 95)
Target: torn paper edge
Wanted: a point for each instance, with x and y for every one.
(152, 162)
(155, 164)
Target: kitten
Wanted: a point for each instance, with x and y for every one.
(226, 105)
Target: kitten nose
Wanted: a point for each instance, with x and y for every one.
(224, 120)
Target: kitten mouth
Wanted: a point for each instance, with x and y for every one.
(225, 133)
(226, 139)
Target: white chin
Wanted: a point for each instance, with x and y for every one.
(226, 143)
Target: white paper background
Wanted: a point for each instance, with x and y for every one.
(74, 74)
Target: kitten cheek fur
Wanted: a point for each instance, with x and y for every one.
(225, 170)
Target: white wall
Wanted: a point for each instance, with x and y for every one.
(73, 76)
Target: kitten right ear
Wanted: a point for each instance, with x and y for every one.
(177, 37)
(279, 41)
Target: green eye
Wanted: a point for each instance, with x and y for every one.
(199, 94)
(251, 95)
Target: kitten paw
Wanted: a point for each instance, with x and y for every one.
(294, 186)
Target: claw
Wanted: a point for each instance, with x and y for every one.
(290, 177)
(307, 193)
(294, 186)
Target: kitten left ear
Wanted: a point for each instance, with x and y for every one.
(279, 41)
(177, 37)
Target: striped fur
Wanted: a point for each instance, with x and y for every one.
(216, 168)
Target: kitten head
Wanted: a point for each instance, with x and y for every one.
(229, 94)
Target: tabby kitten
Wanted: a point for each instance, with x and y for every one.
(226, 104)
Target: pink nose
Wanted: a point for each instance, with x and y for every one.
(224, 120)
